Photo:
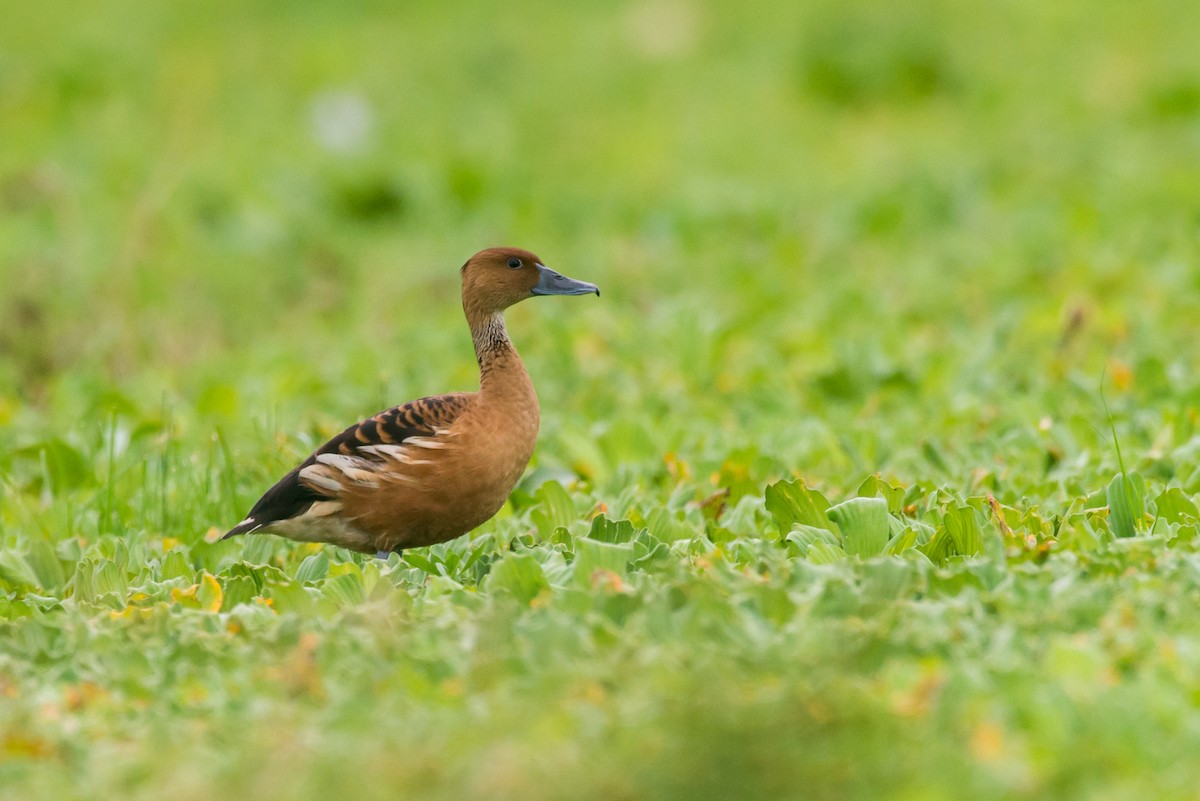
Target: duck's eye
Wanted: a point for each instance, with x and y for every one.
(514, 263)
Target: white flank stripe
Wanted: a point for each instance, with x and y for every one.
(323, 509)
(318, 476)
(425, 442)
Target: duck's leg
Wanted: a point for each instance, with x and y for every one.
(385, 554)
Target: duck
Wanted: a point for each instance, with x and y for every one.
(435, 468)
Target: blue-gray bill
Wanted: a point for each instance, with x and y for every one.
(552, 283)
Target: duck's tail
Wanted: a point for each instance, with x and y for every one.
(247, 526)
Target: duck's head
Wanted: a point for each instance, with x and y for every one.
(496, 278)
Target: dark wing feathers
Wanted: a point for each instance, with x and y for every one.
(290, 497)
(419, 418)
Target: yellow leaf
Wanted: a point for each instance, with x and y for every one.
(209, 593)
(206, 595)
(77, 696)
(24, 746)
(593, 692)
(607, 580)
(916, 700)
(186, 597)
(169, 543)
(987, 742)
(1122, 375)
(677, 468)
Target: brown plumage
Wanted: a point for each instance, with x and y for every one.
(434, 468)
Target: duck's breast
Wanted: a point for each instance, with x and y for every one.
(449, 484)
(488, 457)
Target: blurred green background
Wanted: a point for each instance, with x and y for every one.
(834, 239)
(186, 186)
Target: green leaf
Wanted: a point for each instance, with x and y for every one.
(791, 503)
(556, 509)
(803, 537)
(314, 568)
(68, 550)
(345, 590)
(45, 565)
(939, 548)
(864, 525)
(420, 561)
(606, 530)
(519, 574)
(554, 566)
(257, 549)
(775, 604)
(218, 399)
(647, 550)
(665, 526)
(901, 542)
(962, 524)
(1126, 503)
(886, 579)
(15, 570)
(591, 555)
(175, 565)
(822, 553)
(238, 590)
(1175, 507)
(291, 596)
(109, 578)
(584, 454)
(63, 466)
(261, 575)
(930, 451)
(83, 586)
(874, 486)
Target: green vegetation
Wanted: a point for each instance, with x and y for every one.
(827, 504)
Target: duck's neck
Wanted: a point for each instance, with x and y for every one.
(502, 376)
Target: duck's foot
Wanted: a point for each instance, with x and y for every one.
(385, 554)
